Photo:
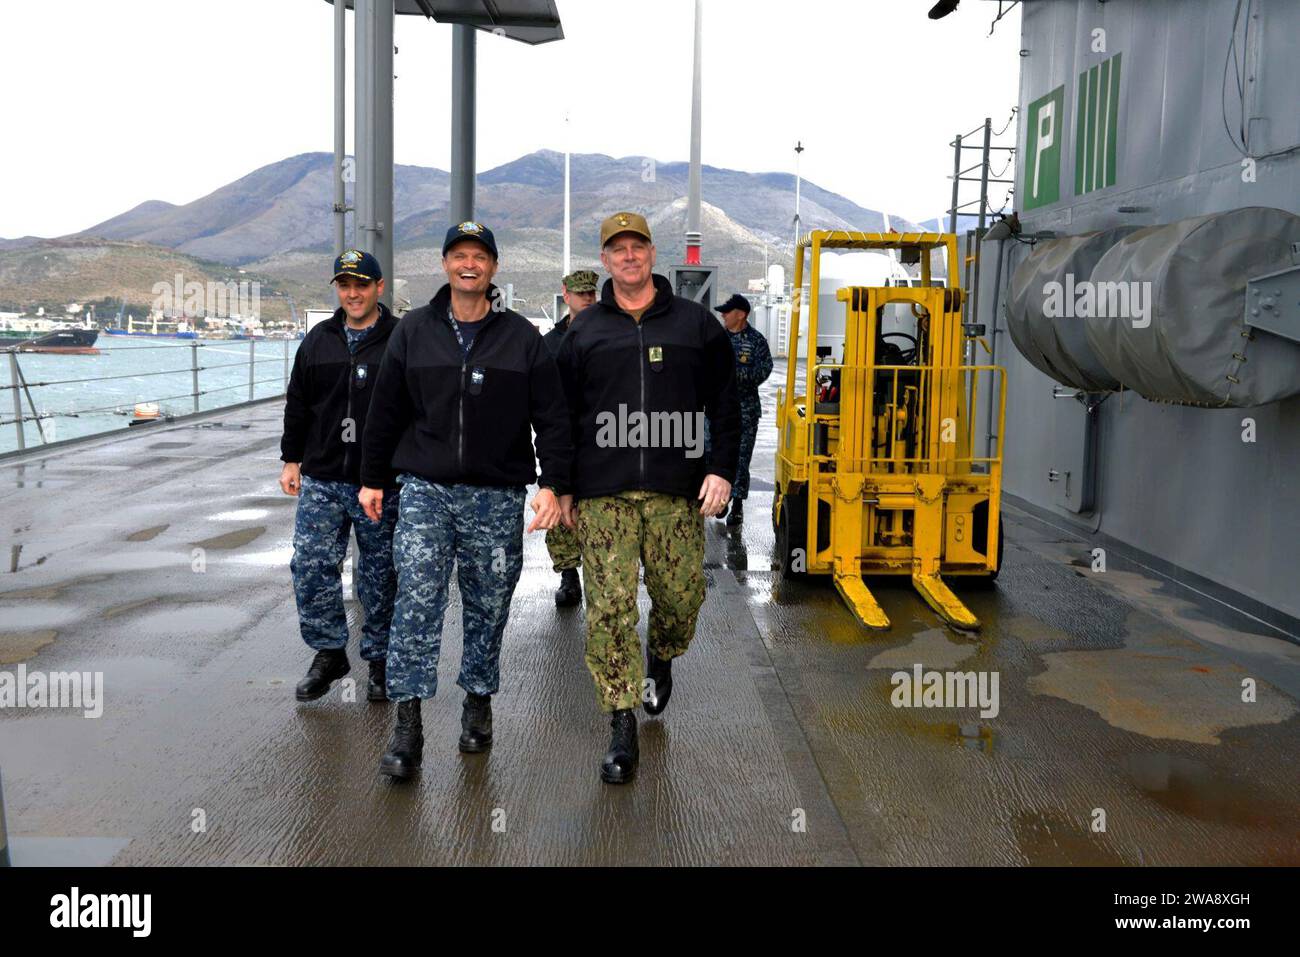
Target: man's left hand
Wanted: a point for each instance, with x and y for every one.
(714, 493)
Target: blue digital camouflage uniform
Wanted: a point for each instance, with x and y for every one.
(355, 336)
(327, 512)
(481, 529)
(753, 366)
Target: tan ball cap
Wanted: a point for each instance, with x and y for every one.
(624, 223)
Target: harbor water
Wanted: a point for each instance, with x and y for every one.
(77, 395)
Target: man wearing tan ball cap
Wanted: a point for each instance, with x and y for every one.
(643, 355)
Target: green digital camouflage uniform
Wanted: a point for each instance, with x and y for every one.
(618, 533)
(563, 546)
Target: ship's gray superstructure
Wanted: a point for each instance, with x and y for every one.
(1131, 116)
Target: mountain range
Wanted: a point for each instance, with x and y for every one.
(276, 222)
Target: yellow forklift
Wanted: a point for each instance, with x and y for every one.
(876, 472)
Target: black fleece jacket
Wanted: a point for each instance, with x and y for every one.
(328, 386)
(676, 360)
(468, 420)
(556, 335)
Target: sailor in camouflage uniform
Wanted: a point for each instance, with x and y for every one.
(561, 542)
(325, 416)
(641, 499)
(753, 366)
(464, 384)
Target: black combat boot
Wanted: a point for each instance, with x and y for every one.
(660, 673)
(378, 688)
(620, 761)
(327, 667)
(406, 747)
(737, 513)
(476, 723)
(570, 591)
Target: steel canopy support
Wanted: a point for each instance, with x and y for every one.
(340, 127)
(528, 21)
(361, 121)
(463, 86)
(374, 134)
(382, 138)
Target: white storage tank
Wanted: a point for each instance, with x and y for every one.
(857, 267)
(776, 279)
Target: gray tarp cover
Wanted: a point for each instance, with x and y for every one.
(1058, 345)
(1194, 348)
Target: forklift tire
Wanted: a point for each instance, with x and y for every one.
(792, 526)
(993, 576)
(988, 580)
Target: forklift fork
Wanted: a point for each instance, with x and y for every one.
(861, 602)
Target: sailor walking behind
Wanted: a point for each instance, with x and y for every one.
(463, 386)
(753, 366)
(561, 542)
(325, 416)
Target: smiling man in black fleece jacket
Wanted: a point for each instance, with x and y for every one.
(643, 369)
(464, 384)
(324, 423)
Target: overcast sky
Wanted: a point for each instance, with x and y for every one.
(112, 104)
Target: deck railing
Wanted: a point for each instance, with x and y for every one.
(30, 423)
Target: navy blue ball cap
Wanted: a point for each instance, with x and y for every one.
(358, 264)
(471, 230)
(737, 301)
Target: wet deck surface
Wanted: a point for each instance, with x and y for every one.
(1116, 693)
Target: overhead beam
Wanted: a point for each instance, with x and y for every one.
(528, 21)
